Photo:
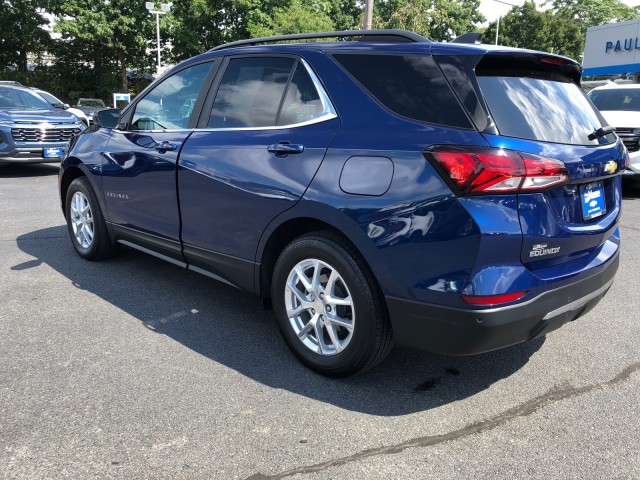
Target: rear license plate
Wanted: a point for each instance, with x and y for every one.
(592, 198)
(52, 152)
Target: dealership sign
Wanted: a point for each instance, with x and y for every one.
(629, 44)
(612, 48)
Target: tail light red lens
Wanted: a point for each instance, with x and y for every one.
(478, 170)
(493, 299)
(553, 60)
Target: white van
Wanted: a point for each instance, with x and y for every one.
(620, 106)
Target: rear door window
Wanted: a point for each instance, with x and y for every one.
(302, 102)
(544, 109)
(411, 86)
(251, 92)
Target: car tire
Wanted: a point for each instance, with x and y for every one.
(85, 222)
(328, 306)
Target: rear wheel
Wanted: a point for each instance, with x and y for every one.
(85, 222)
(328, 306)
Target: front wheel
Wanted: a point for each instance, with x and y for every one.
(328, 306)
(85, 222)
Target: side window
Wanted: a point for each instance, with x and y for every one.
(302, 102)
(251, 92)
(410, 85)
(170, 104)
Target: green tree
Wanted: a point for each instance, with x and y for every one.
(346, 15)
(109, 36)
(296, 16)
(589, 13)
(21, 23)
(440, 20)
(199, 25)
(528, 27)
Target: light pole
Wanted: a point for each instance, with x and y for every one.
(498, 22)
(368, 15)
(164, 8)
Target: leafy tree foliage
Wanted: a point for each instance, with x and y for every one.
(21, 24)
(528, 27)
(199, 25)
(559, 29)
(589, 13)
(440, 20)
(111, 35)
(296, 16)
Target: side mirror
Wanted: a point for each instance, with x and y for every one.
(107, 118)
(65, 106)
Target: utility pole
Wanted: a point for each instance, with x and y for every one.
(164, 8)
(368, 14)
(498, 22)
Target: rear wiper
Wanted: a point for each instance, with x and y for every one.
(601, 132)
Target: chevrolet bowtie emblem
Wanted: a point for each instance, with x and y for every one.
(611, 167)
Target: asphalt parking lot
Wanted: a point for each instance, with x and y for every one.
(133, 368)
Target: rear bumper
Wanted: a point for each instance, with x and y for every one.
(458, 331)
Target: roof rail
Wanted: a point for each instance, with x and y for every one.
(365, 35)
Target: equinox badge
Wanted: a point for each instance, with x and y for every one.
(540, 249)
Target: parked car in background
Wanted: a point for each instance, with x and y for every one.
(452, 197)
(90, 106)
(620, 106)
(57, 103)
(31, 130)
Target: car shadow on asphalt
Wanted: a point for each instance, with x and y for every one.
(229, 327)
(32, 170)
(631, 190)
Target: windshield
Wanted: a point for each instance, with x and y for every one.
(14, 98)
(617, 99)
(547, 110)
(90, 103)
(50, 98)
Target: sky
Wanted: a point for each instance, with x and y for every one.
(492, 9)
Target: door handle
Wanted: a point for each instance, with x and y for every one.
(283, 149)
(165, 147)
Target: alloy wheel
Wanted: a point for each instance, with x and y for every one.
(82, 219)
(319, 307)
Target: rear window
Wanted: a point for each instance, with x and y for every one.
(616, 99)
(411, 86)
(544, 109)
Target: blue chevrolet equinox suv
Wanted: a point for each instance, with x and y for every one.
(376, 189)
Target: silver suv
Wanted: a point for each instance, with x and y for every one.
(620, 106)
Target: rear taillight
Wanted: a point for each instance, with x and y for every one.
(478, 170)
(493, 299)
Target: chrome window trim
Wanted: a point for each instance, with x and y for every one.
(169, 130)
(328, 110)
(328, 113)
